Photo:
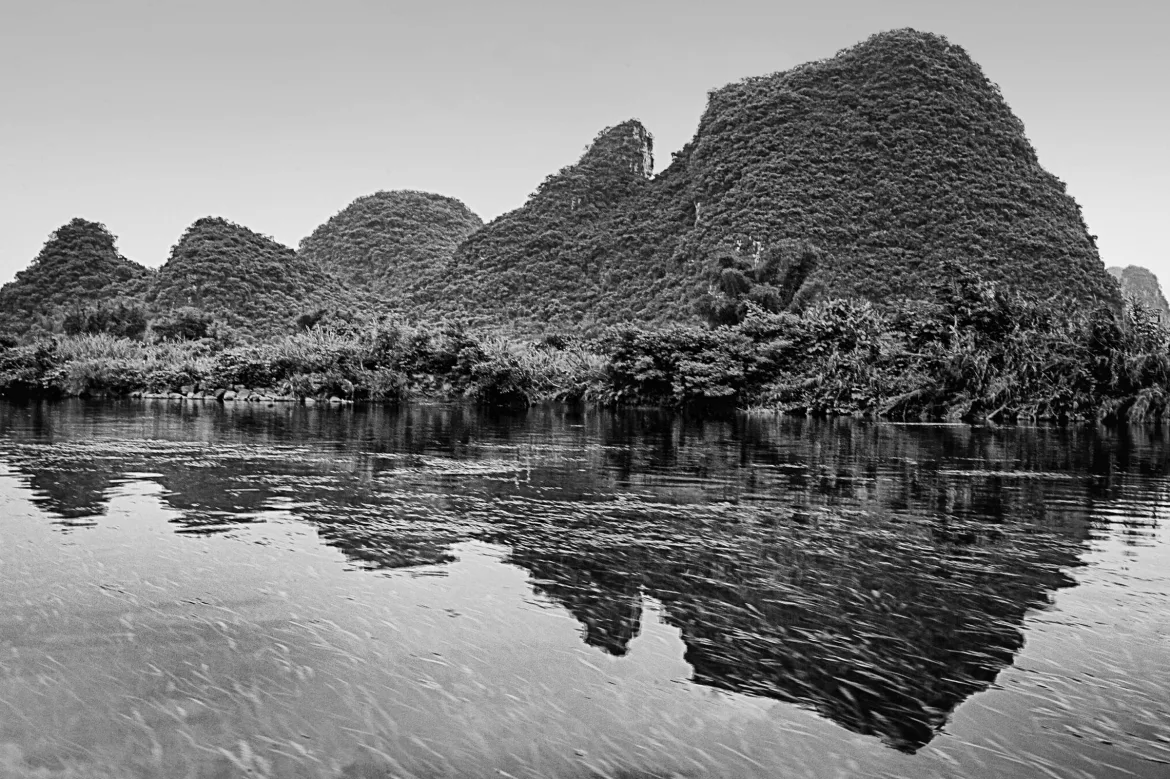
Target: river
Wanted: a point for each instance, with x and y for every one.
(217, 590)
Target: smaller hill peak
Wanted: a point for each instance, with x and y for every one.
(391, 243)
(1140, 285)
(246, 279)
(78, 265)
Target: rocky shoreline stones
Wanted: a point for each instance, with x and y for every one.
(237, 394)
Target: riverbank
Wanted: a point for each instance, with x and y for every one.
(982, 355)
(383, 362)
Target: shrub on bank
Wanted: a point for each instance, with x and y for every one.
(505, 373)
(680, 365)
(29, 370)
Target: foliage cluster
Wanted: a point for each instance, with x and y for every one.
(772, 280)
(980, 353)
(121, 319)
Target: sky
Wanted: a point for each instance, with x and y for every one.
(146, 116)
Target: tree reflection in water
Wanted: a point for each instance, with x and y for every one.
(877, 574)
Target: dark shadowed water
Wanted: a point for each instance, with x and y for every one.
(220, 591)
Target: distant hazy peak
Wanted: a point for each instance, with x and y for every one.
(1138, 283)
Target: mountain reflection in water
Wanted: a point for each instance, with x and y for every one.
(877, 574)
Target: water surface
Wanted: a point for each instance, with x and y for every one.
(213, 590)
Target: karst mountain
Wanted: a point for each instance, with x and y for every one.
(873, 173)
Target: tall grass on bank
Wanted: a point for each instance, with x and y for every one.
(381, 361)
(104, 363)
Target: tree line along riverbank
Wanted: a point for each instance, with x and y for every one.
(978, 353)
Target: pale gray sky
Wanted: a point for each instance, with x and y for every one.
(147, 115)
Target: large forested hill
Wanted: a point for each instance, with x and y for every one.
(1139, 284)
(890, 156)
(245, 279)
(79, 265)
(391, 243)
(888, 159)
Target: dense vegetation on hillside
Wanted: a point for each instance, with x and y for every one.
(888, 158)
(245, 280)
(1140, 286)
(392, 244)
(79, 266)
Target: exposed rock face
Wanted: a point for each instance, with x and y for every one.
(1138, 284)
(392, 243)
(890, 157)
(79, 265)
(245, 279)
